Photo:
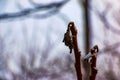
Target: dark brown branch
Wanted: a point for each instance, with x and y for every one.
(93, 68)
(77, 53)
(73, 45)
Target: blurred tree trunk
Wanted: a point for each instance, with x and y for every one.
(87, 35)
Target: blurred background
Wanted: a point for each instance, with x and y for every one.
(31, 34)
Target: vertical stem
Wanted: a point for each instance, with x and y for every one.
(93, 64)
(77, 53)
(87, 25)
(93, 68)
(87, 35)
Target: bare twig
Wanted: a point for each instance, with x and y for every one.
(93, 73)
(77, 53)
(92, 58)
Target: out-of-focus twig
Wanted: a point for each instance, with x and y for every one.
(51, 8)
(109, 48)
(103, 17)
(87, 33)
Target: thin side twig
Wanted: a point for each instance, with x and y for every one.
(93, 68)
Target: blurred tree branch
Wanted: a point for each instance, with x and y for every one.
(52, 8)
(103, 17)
(110, 48)
(87, 33)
